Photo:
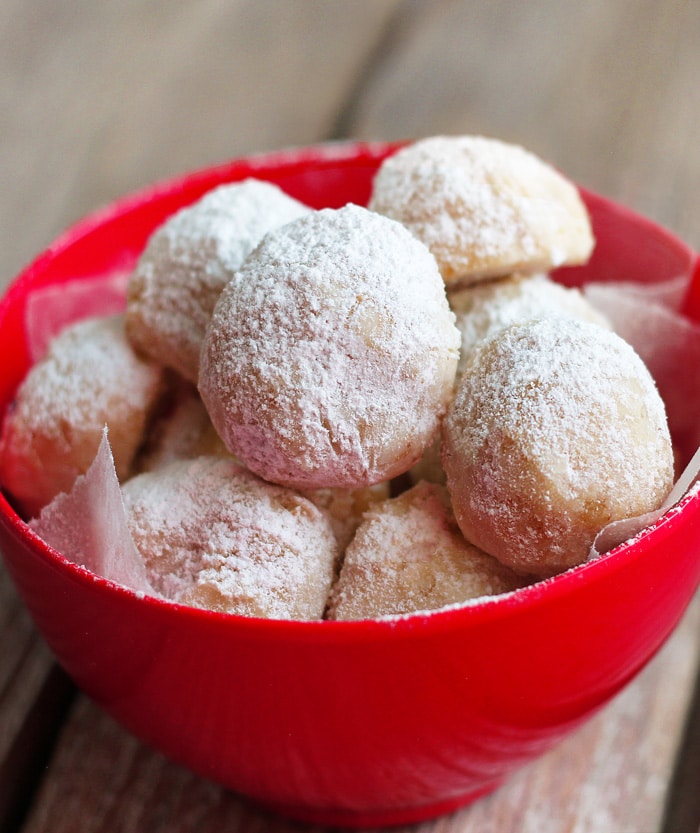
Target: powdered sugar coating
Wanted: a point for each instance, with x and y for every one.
(188, 261)
(486, 308)
(331, 355)
(345, 507)
(409, 555)
(213, 535)
(484, 207)
(90, 378)
(556, 430)
(180, 430)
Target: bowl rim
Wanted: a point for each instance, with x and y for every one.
(481, 610)
(324, 155)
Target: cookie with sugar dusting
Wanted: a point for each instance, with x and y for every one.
(409, 555)
(485, 308)
(345, 507)
(91, 377)
(484, 207)
(331, 356)
(556, 430)
(213, 535)
(187, 262)
(180, 430)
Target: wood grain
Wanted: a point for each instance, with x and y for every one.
(682, 810)
(606, 90)
(34, 697)
(100, 98)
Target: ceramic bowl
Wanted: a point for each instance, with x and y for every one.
(353, 723)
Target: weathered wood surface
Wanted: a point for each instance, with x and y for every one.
(100, 98)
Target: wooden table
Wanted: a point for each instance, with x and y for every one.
(100, 98)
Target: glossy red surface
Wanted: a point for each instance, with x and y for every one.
(352, 722)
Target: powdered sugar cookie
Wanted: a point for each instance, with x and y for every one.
(188, 261)
(409, 555)
(484, 207)
(486, 308)
(345, 507)
(213, 535)
(556, 430)
(331, 355)
(90, 378)
(180, 430)
(429, 467)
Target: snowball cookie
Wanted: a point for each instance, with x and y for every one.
(180, 430)
(89, 378)
(213, 535)
(429, 467)
(556, 430)
(331, 355)
(345, 507)
(486, 308)
(408, 555)
(484, 208)
(187, 262)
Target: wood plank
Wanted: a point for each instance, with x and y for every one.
(41, 699)
(100, 98)
(34, 697)
(606, 89)
(683, 801)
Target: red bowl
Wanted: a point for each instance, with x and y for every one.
(359, 723)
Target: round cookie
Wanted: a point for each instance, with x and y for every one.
(484, 309)
(485, 208)
(330, 357)
(408, 555)
(213, 535)
(89, 378)
(429, 467)
(187, 262)
(345, 507)
(556, 430)
(180, 430)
